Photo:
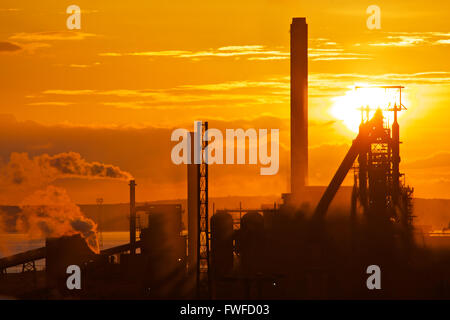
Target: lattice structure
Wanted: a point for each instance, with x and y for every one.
(203, 267)
(380, 191)
(377, 186)
(29, 266)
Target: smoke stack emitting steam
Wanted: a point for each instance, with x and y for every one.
(50, 212)
(43, 169)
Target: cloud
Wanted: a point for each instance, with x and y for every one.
(320, 51)
(236, 93)
(226, 51)
(10, 9)
(323, 49)
(51, 213)
(268, 58)
(51, 36)
(332, 84)
(50, 103)
(9, 47)
(409, 39)
(144, 151)
(81, 66)
(78, 65)
(69, 92)
(43, 169)
(238, 84)
(271, 91)
(241, 48)
(30, 48)
(400, 41)
(440, 159)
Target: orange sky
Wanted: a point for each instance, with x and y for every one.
(114, 90)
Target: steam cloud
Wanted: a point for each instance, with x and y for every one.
(51, 213)
(48, 211)
(43, 169)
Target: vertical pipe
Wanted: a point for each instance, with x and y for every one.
(132, 217)
(240, 211)
(396, 158)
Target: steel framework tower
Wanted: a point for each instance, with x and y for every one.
(203, 266)
(378, 189)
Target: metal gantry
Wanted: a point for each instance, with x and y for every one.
(29, 266)
(203, 266)
(377, 186)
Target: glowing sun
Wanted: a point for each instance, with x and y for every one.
(348, 108)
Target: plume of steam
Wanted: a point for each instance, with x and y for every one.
(43, 169)
(51, 213)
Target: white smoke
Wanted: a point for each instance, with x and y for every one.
(51, 213)
(48, 211)
(21, 170)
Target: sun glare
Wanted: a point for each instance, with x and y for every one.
(348, 108)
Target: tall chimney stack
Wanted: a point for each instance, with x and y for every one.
(193, 187)
(132, 217)
(299, 106)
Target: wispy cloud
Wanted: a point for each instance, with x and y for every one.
(78, 65)
(238, 84)
(9, 47)
(168, 53)
(268, 58)
(399, 41)
(320, 54)
(69, 92)
(252, 53)
(432, 77)
(409, 39)
(233, 93)
(51, 36)
(443, 41)
(9, 9)
(15, 48)
(241, 48)
(269, 92)
(334, 84)
(50, 103)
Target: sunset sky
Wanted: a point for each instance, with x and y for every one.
(115, 90)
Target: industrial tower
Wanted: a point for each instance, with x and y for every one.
(198, 217)
(377, 187)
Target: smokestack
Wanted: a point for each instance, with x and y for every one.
(132, 217)
(193, 206)
(299, 106)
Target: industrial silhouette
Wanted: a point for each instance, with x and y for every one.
(287, 251)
